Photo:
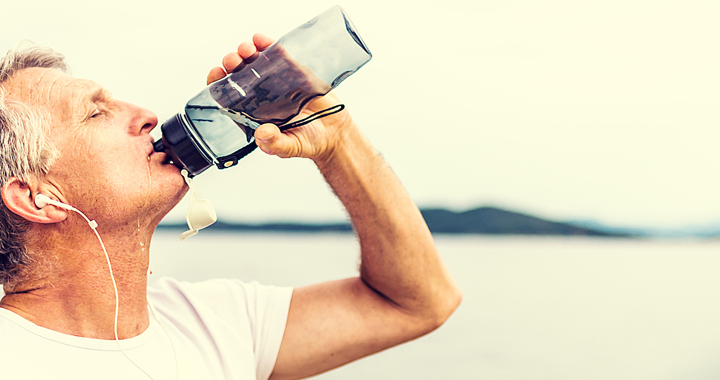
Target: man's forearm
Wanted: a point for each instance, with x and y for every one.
(399, 258)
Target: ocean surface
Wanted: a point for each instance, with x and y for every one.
(533, 308)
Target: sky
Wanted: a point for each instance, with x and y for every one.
(604, 110)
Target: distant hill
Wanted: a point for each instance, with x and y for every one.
(483, 220)
(491, 220)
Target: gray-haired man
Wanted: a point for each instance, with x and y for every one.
(70, 140)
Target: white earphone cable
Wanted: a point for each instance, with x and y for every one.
(94, 226)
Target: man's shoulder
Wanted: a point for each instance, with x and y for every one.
(207, 290)
(226, 313)
(10, 326)
(226, 298)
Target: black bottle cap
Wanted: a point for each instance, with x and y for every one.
(178, 143)
(158, 146)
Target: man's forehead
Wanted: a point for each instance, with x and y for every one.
(43, 85)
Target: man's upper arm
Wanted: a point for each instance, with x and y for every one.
(334, 323)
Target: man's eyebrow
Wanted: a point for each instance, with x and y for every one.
(98, 95)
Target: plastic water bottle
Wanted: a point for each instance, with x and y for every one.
(218, 124)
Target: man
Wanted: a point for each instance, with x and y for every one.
(70, 140)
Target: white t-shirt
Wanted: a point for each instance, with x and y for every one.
(220, 329)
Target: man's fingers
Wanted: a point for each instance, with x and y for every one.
(246, 50)
(230, 61)
(262, 41)
(216, 73)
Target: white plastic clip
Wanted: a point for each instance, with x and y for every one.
(200, 213)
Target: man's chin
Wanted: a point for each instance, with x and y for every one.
(165, 210)
(172, 190)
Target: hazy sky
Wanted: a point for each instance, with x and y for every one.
(606, 110)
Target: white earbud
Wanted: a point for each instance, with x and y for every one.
(42, 200)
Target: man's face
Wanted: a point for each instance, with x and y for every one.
(107, 167)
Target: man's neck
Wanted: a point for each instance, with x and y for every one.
(75, 294)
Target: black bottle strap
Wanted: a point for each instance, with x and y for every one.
(232, 159)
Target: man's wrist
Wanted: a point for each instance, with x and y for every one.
(347, 140)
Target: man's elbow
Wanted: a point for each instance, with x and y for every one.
(441, 310)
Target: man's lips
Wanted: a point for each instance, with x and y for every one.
(163, 157)
(167, 160)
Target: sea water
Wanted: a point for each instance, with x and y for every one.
(533, 307)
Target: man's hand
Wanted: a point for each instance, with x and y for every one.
(316, 140)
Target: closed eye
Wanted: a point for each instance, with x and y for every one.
(98, 112)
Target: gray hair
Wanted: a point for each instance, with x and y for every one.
(25, 152)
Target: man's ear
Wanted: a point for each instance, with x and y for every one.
(19, 198)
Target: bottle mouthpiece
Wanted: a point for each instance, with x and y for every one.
(158, 146)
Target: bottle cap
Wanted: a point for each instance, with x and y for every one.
(181, 147)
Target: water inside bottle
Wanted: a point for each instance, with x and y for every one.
(271, 88)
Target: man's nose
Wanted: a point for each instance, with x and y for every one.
(143, 120)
